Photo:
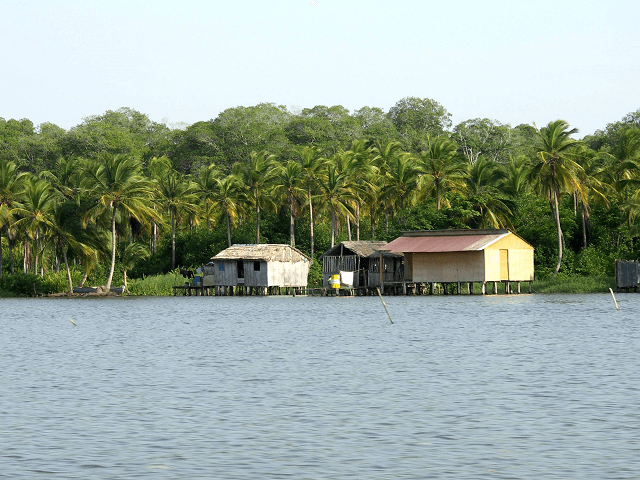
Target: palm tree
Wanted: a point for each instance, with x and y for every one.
(230, 194)
(592, 189)
(336, 194)
(289, 183)
(482, 188)
(63, 231)
(555, 171)
(626, 158)
(206, 182)
(35, 213)
(384, 155)
(362, 167)
(117, 185)
(312, 164)
(11, 184)
(443, 169)
(175, 193)
(516, 180)
(401, 181)
(132, 253)
(258, 177)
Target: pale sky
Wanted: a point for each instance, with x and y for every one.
(511, 61)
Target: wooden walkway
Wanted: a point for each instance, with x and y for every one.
(387, 288)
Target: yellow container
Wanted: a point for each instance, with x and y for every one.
(334, 281)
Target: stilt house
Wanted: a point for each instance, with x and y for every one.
(448, 256)
(363, 259)
(261, 266)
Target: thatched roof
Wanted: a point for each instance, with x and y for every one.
(361, 248)
(266, 252)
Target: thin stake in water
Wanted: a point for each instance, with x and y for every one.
(74, 323)
(384, 304)
(614, 298)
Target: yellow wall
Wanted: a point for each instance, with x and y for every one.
(519, 260)
(510, 241)
(479, 266)
(408, 266)
(448, 267)
(521, 265)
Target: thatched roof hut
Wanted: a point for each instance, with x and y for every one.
(264, 265)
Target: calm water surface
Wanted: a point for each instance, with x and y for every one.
(543, 386)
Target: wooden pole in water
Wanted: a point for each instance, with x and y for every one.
(384, 305)
(614, 299)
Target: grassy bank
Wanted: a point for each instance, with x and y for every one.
(155, 285)
(574, 285)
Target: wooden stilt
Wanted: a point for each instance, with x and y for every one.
(458, 289)
(484, 288)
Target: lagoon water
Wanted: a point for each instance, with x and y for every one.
(521, 386)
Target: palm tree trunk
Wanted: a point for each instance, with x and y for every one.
(556, 218)
(257, 221)
(348, 227)
(373, 223)
(584, 226)
(154, 234)
(358, 220)
(66, 263)
(173, 238)
(10, 244)
(113, 248)
(333, 228)
(35, 255)
(228, 229)
(25, 257)
(1, 266)
(292, 225)
(311, 221)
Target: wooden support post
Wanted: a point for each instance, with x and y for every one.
(518, 288)
(458, 289)
(404, 288)
(495, 288)
(432, 287)
(484, 288)
(470, 288)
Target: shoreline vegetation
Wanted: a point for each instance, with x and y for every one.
(161, 285)
(122, 200)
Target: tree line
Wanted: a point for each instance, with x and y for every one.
(119, 188)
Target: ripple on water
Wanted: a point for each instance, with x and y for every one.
(525, 386)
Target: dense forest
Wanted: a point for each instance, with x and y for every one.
(120, 194)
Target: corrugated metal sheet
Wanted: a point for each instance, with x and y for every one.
(363, 248)
(443, 243)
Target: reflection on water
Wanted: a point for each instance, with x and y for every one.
(542, 386)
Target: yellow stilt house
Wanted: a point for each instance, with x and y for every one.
(455, 256)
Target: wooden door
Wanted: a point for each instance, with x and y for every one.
(504, 264)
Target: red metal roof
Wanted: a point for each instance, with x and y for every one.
(443, 243)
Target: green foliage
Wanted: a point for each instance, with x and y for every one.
(315, 273)
(383, 184)
(564, 284)
(22, 284)
(155, 284)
